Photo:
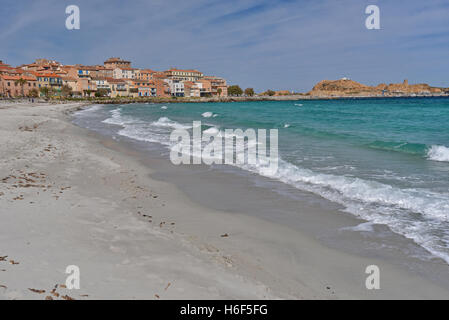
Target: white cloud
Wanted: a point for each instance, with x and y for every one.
(262, 44)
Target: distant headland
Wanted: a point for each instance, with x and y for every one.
(349, 88)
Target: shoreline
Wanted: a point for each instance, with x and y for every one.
(97, 213)
(233, 190)
(229, 99)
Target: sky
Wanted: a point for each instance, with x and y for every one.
(263, 44)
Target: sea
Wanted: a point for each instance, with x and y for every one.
(383, 160)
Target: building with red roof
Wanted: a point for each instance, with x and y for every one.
(12, 86)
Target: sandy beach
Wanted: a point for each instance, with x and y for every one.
(71, 197)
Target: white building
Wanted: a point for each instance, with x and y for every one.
(176, 87)
(124, 73)
(102, 83)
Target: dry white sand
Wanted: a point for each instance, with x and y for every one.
(68, 199)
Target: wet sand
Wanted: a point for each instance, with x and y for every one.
(72, 197)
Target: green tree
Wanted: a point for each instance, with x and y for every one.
(21, 82)
(33, 93)
(219, 91)
(45, 91)
(249, 92)
(235, 90)
(270, 93)
(101, 93)
(66, 91)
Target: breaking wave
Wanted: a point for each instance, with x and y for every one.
(438, 153)
(434, 153)
(417, 214)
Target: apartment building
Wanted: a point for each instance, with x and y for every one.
(205, 88)
(119, 87)
(49, 80)
(102, 83)
(113, 63)
(143, 88)
(145, 74)
(11, 86)
(162, 88)
(41, 65)
(176, 87)
(105, 72)
(119, 78)
(11, 71)
(218, 86)
(152, 88)
(124, 73)
(183, 75)
(86, 87)
(86, 71)
(192, 89)
(72, 83)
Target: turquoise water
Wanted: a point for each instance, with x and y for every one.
(384, 160)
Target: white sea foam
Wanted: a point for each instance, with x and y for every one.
(164, 107)
(416, 214)
(207, 114)
(377, 203)
(337, 188)
(363, 227)
(286, 125)
(157, 131)
(117, 118)
(88, 111)
(432, 205)
(438, 153)
(168, 123)
(212, 131)
(138, 133)
(298, 104)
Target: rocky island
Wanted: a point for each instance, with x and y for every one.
(349, 88)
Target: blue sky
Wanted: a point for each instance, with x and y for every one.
(264, 44)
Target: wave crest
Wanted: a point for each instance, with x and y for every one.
(403, 147)
(207, 114)
(168, 123)
(438, 153)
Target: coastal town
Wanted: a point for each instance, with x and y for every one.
(115, 78)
